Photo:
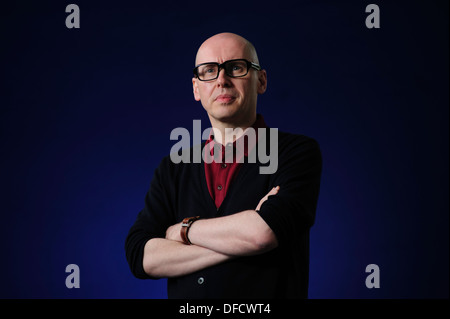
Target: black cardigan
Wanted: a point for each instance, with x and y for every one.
(180, 190)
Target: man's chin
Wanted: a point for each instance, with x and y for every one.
(224, 110)
(225, 115)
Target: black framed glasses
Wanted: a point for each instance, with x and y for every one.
(233, 68)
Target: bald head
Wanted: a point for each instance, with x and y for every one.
(226, 46)
(230, 101)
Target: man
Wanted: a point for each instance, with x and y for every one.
(224, 230)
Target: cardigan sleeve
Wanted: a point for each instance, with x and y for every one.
(291, 212)
(152, 221)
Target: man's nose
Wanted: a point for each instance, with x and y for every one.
(223, 79)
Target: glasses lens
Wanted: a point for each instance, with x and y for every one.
(207, 71)
(236, 68)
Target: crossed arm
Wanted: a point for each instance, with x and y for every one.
(213, 241)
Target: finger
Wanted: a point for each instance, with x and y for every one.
(274, 190)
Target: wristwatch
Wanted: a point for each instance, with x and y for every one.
(185, 226)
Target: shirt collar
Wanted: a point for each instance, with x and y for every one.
(247, 146)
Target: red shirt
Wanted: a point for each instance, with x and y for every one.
(219, 176)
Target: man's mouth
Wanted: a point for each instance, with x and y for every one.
(225, 98)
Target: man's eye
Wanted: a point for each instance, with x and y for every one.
(210, 70)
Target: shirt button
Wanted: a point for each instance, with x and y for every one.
(223, 165)
(201, 280)
(219, 187)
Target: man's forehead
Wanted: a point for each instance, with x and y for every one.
(221, 49)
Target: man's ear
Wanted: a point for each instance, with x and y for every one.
(195, 89)
(262, 81)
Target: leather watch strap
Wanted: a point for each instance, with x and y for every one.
(185, 226)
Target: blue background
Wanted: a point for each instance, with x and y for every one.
(86, 116)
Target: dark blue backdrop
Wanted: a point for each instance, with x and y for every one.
(86, 116)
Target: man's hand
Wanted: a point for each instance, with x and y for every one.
(273, 191)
